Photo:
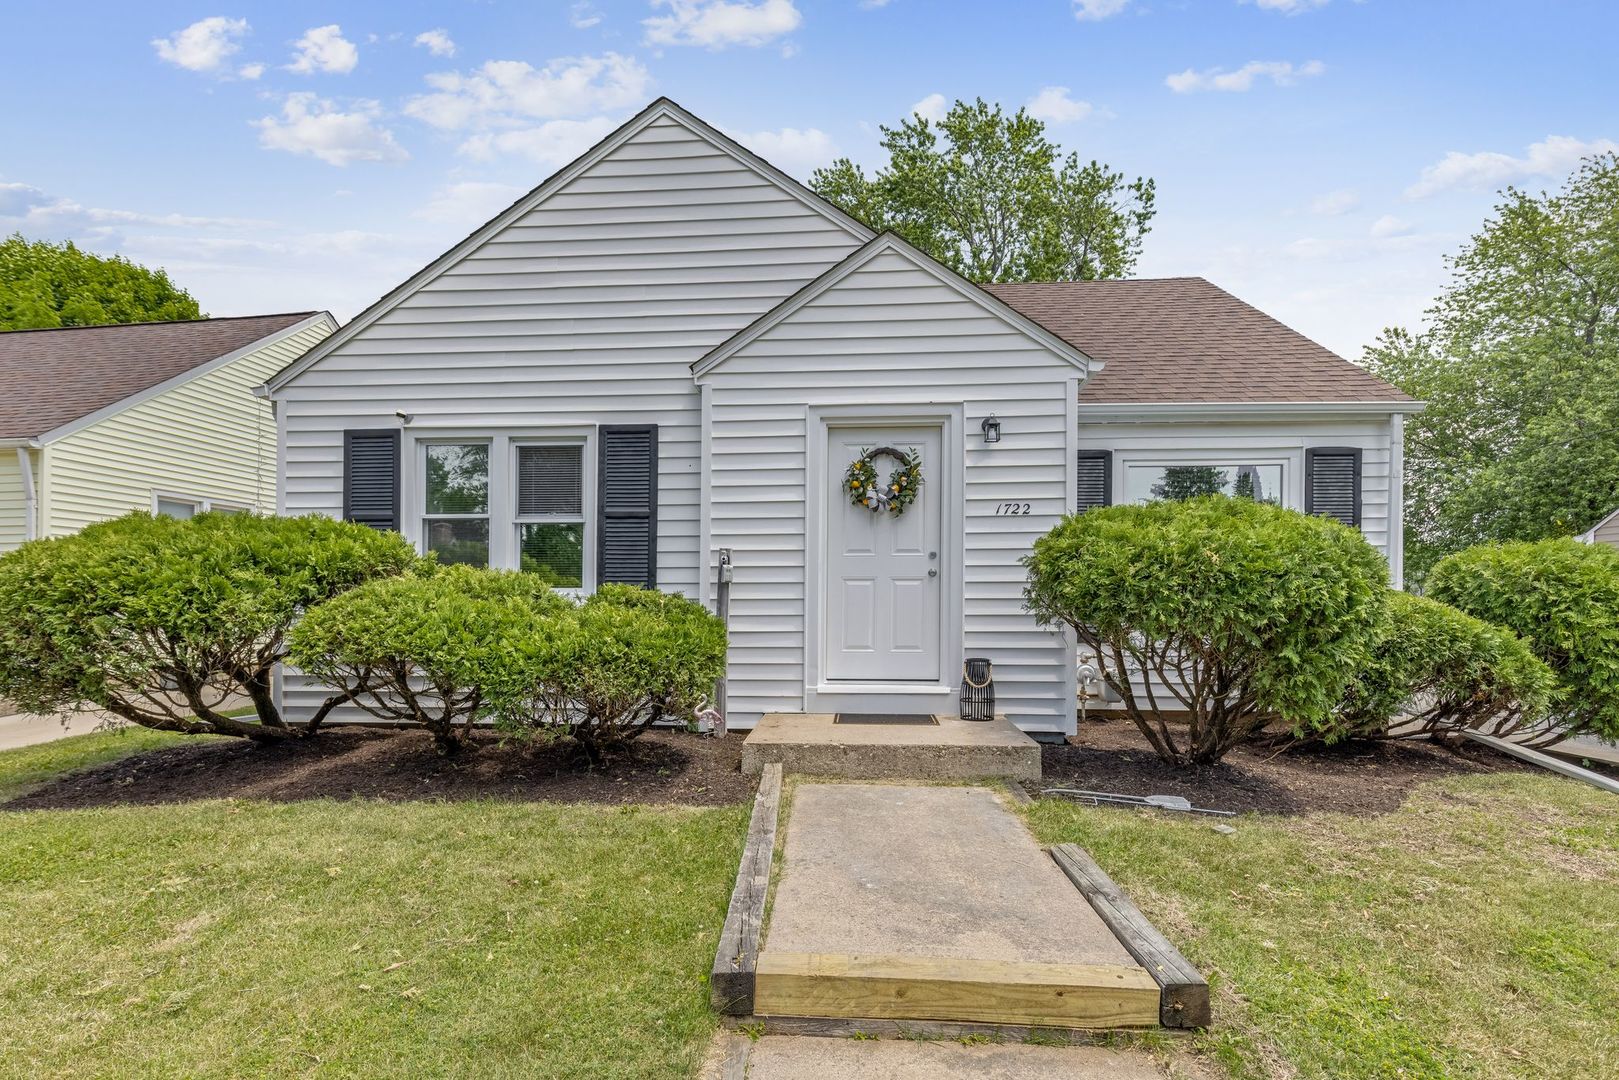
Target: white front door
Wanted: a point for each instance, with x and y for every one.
(884, 571)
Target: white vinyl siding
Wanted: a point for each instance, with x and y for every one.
(587, 309)
(13, 498)
(889, 334)
(206, 439)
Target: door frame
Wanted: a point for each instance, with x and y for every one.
(946, 476)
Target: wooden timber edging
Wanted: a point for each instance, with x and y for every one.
(736, 961)
(1183, 992)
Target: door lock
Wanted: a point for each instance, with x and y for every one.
(933, 571)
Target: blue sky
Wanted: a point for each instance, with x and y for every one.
(1317, 157)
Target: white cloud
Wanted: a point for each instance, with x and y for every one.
(715, 24)
(1095, 10)
(250, 71)
(324, 49)
(511, 92)
(933, 107)
(1288, 7)
(31, 209)
(1389, 226)
(1554, 155)
(1055, 105)
(1334, 203)
(205, 45)
(1280, 72)
(583, 15)
(553, 143)
(795, 151)
(18, 199)
(870, 4)
(469, 202)
(315, 126)
(436, 42)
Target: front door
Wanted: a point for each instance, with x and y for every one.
(884, 571)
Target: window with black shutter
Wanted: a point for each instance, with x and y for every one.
(627, 504)
(371, 478)
(1332, 483)
(1094, 483)
(551, 513)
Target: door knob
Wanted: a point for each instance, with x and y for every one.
(933, 572)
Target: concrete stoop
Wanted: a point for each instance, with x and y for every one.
(952, 749)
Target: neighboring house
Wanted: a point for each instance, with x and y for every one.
(1605, 531)
(97, 421)
(670, 349)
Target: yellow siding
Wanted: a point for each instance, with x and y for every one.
(208, 438)
(13, 520)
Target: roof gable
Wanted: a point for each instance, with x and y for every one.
(889, 243)
(53, 381)
(662, 109)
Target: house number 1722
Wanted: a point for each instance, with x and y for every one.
(1011, 509)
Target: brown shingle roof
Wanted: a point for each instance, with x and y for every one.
(1185, 340)
(51, 377)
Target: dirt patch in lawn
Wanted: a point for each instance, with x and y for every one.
(1351, 778)
(660, 767)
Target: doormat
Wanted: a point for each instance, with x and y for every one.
(883, 718)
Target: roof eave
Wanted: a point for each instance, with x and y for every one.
(1171, 410)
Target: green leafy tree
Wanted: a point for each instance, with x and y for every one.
(988, 195)
(45, 285)
(1227, 612)
(1518, 362)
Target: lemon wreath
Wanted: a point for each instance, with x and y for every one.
(904, 483)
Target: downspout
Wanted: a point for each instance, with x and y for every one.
(30, 496)
(1397, 500)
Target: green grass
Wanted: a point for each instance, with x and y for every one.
(236, 938)
(30, 766)
(1474, 933)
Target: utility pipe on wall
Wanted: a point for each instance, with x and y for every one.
(30, 497)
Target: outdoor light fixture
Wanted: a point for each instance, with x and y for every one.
(404, 417)
(992, 429)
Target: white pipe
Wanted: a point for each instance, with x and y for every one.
(1397, 499)
(30, 498)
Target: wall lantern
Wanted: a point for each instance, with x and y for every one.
(992, 429)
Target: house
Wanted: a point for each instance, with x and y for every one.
(1605, 531)
(97, 421)
(670, 350)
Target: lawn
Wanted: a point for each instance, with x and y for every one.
(236, 937)
(1472, 933)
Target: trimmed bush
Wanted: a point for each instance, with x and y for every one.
(158, 621)
(1437, 671)
(425, 649)
(1231, 612)
(604, 672)
(1562, 598)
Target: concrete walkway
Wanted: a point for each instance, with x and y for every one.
(782, 1057)
(31, 729)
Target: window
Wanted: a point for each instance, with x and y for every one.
(176, 508)
(1149, 483)
(455, 524)
(550, 514)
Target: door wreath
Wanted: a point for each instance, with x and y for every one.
(904, 483)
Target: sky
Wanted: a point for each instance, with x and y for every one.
(1319, 158)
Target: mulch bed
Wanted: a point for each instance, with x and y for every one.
(660, 767)
(1351, 778)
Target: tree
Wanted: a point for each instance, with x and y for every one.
(1228, 612)
(161, 621)
(989, 196)
(1518, 363)
(45, 285)
(1190, 481)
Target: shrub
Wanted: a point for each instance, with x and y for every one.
(158, 621)
(1562, 598)
(1440, 672)
(1231, 611)
(605, 671)
(424, 649)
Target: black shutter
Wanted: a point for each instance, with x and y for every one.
(627, 518)
(371, 478)
(1095, 483)
(1332, 483)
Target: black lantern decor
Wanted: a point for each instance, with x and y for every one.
(977, 689)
